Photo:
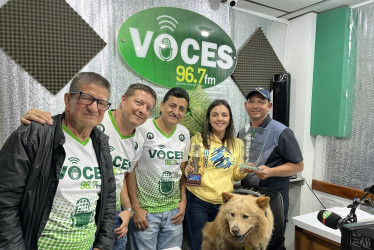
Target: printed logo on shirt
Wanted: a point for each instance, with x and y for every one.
(206, 157)
(181, 137)
(119, 162)
(111, 149)
(83, 214)
(75, 173)
(74, 160)
(161, 154)
(136, 145)
(88, 176)
(101, 127)
(166, 183)
(150, 136)
(222, 158)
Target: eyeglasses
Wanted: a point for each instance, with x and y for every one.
(88, 99)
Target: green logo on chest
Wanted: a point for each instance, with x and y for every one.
(161, 154)
(166, 183)
(83, 214)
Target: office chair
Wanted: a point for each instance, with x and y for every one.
(276, 206)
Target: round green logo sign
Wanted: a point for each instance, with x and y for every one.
(176, 47)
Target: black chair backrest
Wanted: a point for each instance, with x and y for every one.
(276, 206)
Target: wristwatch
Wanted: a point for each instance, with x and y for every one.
(130, 210)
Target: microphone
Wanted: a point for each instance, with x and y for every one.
(330, 219)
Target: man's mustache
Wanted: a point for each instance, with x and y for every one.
(176, 116)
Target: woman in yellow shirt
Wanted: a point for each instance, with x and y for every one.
(219, 149)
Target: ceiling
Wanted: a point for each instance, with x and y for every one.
(289, 9)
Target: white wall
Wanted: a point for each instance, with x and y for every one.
(299, 61)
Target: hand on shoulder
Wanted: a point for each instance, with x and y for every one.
(42, 117)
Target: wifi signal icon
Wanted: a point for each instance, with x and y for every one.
(111, 149)
(74, 160)
(167, 22)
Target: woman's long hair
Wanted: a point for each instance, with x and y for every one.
(228, 138)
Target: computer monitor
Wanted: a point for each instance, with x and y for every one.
(357, 236)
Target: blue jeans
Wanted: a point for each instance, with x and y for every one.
(161, 233)
(119, 244)
(198, 212)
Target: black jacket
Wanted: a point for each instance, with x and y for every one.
(30, 165)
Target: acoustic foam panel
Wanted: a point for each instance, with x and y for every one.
(333, 75)
(281, 98)
(48, 39)
(257, 63)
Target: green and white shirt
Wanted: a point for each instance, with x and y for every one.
(158, 172)
(125, 150)
(71, 223)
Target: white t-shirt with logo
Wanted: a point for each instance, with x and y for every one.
(71, 223)
(125, 151)
(158, 172)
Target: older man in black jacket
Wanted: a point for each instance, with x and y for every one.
(57, 186)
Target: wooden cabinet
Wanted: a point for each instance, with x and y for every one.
(306, 240)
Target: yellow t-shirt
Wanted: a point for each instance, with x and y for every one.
(215, 166)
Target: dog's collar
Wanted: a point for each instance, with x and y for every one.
(248, 247)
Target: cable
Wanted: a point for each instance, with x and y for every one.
(312, 191)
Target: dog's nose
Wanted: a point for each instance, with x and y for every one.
(235, 230)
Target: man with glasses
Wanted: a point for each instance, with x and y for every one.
(280, 157)
(125, 144)
(57, 185)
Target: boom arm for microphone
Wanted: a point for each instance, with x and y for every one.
(333, 220)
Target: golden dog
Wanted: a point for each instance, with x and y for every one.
(242, 221)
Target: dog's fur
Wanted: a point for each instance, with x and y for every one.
(243, 220)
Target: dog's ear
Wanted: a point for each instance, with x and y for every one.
(226, 197)
(263, 201)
